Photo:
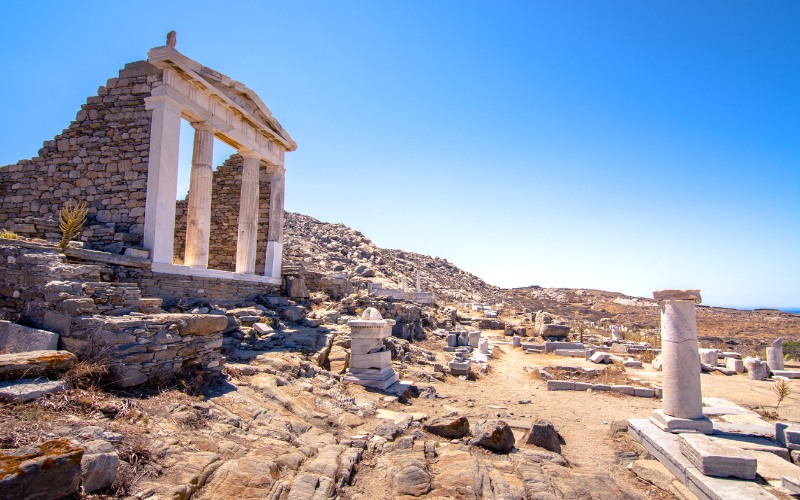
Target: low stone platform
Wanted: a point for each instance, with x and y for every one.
(717, 459)
(665, 446)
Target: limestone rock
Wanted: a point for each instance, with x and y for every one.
(450, 427)
(495, 435)
(553, 330)
(544, 435)
(200, 324)
(27, 389)
(293, 313)
(99, 465)
(34, 363)
(658, 362)
(17, 338)
(410, 475)
(48, 470)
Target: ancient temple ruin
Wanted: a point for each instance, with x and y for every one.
(120, 155)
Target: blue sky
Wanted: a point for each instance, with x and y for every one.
(619, 145)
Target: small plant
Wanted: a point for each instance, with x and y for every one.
(71, 220)
(781, 390)
(9, 235)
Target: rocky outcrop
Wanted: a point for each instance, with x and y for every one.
(48, 470)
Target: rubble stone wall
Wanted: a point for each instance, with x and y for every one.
(108, 321)
(225, 198)
(101, 158)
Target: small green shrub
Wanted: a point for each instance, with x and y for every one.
(71, 220)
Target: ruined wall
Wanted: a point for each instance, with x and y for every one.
(100, 158)
(225, 196)
(93, 317)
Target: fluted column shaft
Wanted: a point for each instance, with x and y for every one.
(198, 221)
(248, 215)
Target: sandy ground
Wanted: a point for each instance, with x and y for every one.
(511, 392)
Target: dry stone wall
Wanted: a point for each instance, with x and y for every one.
(225, 200)
(100, 158)
(105, 320)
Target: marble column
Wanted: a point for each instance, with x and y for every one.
(682, 397)
(248, 215)
(198, 219)
(162, 177)
(274, 256)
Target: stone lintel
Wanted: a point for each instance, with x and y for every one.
(660, 295)
(676, 425)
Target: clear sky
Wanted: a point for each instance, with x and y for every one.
(620, 145)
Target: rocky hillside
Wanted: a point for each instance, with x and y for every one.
(324, 247)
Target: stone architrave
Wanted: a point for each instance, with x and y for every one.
(370, 361)
(775, 355)
(682, 397)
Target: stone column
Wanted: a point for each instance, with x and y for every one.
(162, 178)
(248, 215)
(272, 264)
(198, 219)
(682, 399)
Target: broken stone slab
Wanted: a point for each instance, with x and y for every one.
(786, 373)
(560, 385)
(448, 427)
(550, 346)
(262, 328)
(709, 356)
(600, 358)
(772, 468)
(788, 435)
(16, 338)
(543, 434)
(27, 389)
(791, 483)
(48, 470)
(717, 459)
(752, 443)
(632, 363)
(644, 392)
(665, 447)
(583, 386)
(624, 389)
(572, 353)
(495, 435)
(34, 364)
(734, 364)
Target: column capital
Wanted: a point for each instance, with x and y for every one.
(203, 126)
(662, 295)
(275, 169)
(162, 101)
(248, 154)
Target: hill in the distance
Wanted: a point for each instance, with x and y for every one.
(325, 247)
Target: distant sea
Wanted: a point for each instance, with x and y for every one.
(792, 310)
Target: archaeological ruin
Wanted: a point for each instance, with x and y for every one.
(120, 156)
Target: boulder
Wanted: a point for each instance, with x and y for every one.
(552, 330)
(449, 427)
(27, 389)
(293, 313)
(47, 470)
(495, 435)
(544, 435)
(99, 465)
(17, 338)
(658, 362)
(34, 363)
(296, 288)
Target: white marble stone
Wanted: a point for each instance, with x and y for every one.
(757, 368)
(370, 361)
(681, 365)
(248, 215)
(775, 355)
(717, 459)
(734, 364)
(516, 341)
(709, 356)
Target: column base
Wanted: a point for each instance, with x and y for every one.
(370, 377)
(668, 423)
